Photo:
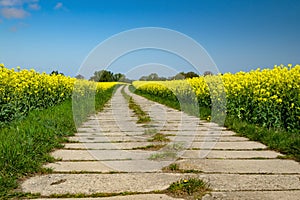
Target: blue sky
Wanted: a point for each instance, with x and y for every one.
(239, 35)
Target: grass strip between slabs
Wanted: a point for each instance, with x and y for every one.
(143, 117)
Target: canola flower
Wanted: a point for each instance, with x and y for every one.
(269, 97)
(25, 90)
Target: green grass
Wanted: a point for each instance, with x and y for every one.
(276, 139)
(191, 188)
(94, 195)
(25, 143)
(143, 117)
(159, 137)
(150, 131)
(174, 168)
(178, 146)
(162, 156)
(280, 140)
(151, 147)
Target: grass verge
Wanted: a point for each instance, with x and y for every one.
(280, 140)
(25, 144)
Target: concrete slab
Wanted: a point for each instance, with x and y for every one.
(108, 139)
(109, 166)
(103, 122)
(110, 134)
(183, 134)
(109, 129)
(127, 197)
(72, 155)
(229, 145)
(111, 153)
(179, 128)
(242, 166)
(199, 133)
(252, 182)
(88, 166)
(101, 154)
(147, 182)
(108, 124)
(221, 139)
(103, 146)
(143, 197)
(196, 154)
(253, 195)
(98, 183)
(202, 138)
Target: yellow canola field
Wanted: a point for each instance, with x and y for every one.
(270, 97)
(24, 90)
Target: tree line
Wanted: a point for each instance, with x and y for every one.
(179, 76)
(108, 76)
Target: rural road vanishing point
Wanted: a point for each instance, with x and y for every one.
(109, 154)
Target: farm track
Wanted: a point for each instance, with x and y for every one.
(107, 157)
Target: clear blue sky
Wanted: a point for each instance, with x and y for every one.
(238, 34)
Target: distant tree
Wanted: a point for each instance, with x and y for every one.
(191, 75)
(144, 78)
(179, 76)
(182, 75)
(152, 77)
(118, 77)
(125, 80)
(95, 77)
(208, 73)
(106, 76)
(56, 73)
(102, 76)
(79, 76)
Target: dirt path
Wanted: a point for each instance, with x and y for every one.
(111, 156)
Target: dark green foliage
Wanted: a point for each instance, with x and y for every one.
(159, 137)
(56, 73)
(24, 144)
(192, 187)
(183, 75)
(107, 76)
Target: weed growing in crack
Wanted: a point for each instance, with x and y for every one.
(191, 188)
